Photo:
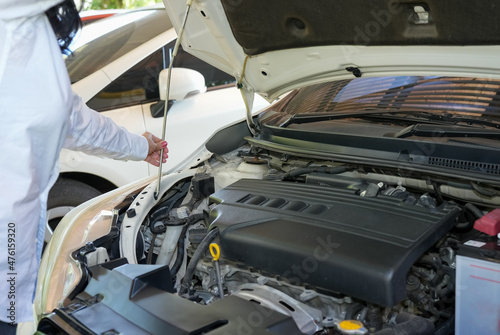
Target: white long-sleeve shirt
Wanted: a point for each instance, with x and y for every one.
(39, 114)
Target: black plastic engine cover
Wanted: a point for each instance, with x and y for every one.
(136, 299)
(328, 238)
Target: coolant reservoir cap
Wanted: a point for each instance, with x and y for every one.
(351, 327)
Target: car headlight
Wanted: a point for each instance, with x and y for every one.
(59, 271)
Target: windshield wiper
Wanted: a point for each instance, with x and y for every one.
(399, 115)
(424, 130)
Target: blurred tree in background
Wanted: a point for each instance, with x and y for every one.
(113, 4)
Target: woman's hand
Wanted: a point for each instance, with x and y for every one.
(155, 146)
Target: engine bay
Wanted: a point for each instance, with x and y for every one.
(307, 247)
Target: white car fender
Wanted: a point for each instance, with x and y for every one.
(140, 208)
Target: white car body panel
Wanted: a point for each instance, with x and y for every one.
(131, 225)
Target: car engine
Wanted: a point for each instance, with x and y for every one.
(310, 251)
(321, 245)
(337, 249)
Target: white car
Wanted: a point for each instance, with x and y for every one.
(365, 200)
(115, 67)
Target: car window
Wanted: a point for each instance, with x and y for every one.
(137, 85)
(140, 83)
(213, 76)
(139, 27)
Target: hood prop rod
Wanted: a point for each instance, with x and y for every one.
(165, 109)
(251, 125)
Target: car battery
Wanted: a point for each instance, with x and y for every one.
(477, 303)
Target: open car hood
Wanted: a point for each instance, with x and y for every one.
(272, 47)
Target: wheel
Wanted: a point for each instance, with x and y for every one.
(65, 195)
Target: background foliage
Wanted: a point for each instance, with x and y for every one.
(113, 4)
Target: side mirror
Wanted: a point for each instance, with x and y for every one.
(185, 82)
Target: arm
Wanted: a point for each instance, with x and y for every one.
(95, 134)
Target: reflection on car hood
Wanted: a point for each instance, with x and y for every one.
(273, 47)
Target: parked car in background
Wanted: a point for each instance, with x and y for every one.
(114, 66)
(365, 200)
(90, 16)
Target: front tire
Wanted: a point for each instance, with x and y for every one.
(65, 195)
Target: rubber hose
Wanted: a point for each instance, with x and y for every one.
(180, 244)
(474, 210)
(466, 226)
(374, 317)
(352, 310)
(198, 254)
(180, 253)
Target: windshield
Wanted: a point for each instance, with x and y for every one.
(422, 98)
(109, 39)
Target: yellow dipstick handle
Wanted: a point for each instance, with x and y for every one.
(215, 251)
